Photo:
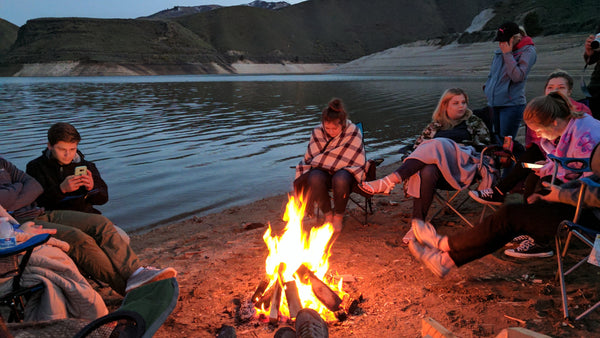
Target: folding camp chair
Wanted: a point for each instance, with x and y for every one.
(586, 235)
(143, 311)
(366, 206)
(10, 267)
(572, 228)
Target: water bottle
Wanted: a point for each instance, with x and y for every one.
(7, 234)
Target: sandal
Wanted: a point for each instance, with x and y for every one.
(381, 186)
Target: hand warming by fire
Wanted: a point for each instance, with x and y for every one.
(297, 267)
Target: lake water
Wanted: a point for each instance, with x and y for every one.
(170, 147)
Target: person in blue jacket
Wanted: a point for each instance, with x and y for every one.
(505, 86)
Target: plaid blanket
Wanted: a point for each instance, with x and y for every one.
(345, 151)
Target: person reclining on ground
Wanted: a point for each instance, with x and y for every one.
(96, 246)
(539, 219)
(55, 171)
(440, 143)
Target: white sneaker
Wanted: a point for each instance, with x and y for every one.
(409, 236)
(148, 275)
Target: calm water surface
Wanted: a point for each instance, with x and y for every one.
(174, 146)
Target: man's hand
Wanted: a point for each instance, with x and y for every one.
(32, 228)
(72, 182)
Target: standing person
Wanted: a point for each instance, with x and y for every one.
(437, 162)
(95, 244)
(55, 171)
(558, 81)
(505, 86)
(335, 158)
(591, 55)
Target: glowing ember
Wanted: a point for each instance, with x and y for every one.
(297, 249)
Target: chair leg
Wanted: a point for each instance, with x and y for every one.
(563, 289)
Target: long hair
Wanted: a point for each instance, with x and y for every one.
(544, 110)
(335, 112)
(440, 113)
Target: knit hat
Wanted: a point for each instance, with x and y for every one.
(506, 31)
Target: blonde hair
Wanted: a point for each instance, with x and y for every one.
(544, 110)
(440, 113)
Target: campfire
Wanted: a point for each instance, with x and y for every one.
(296, 272)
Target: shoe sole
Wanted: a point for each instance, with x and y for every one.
(482, 201)
(167, 273)
(512, 253)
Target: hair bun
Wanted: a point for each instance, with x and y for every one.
(335, 105)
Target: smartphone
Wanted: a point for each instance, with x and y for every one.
(532, 165)
(81, 170)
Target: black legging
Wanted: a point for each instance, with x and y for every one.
(316, 183)
(431, 179)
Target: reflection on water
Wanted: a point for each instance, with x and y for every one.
(174, 146)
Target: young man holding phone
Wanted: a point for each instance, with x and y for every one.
(69, 181)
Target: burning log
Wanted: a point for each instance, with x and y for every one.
(323, 292)
(293, 298)
(275, 304)
(260, 290)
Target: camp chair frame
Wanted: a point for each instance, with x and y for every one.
(494, 151)
(16, 299)
(580, 232)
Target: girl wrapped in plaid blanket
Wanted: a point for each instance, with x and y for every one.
(335, 159)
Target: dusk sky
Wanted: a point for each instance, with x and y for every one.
(19, 11)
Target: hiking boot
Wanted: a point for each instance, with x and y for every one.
(285, 332)
(148, 275)
(491, 196)
(431, 257)
(309, 324)
(528, 249)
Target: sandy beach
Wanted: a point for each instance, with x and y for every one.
(220, 257)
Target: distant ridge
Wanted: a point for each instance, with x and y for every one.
(310, 32)
(179, 11)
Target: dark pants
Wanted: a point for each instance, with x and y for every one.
(539, 220)
(507, 120)
(431, 179)
(518, 173)
(315, 186)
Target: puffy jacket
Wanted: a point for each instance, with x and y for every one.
(50, 174)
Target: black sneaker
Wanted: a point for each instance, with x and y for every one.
(529, 249)
(487, 196)
(309, 324)
(518, 240)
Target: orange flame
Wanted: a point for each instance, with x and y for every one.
(294, 247)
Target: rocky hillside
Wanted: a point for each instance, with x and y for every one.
(314, 31)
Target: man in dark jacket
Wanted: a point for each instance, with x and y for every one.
(55, 171)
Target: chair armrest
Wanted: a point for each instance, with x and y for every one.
(27, 245)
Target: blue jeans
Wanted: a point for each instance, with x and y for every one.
(507, 120)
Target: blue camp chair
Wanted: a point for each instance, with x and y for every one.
(16, 299)
(586, 235)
